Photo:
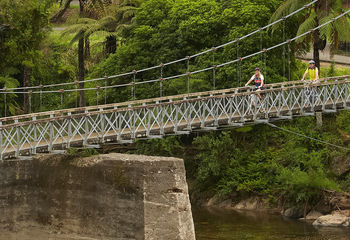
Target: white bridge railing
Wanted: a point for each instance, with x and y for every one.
(152, 118)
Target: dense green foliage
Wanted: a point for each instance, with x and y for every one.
(168, 30)
(265, 161)
(142, 33)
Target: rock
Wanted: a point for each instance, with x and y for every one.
(293, 213)
(338, 200)
(343, 212)
(225, 204)
(340, 164)
(332, 220)
(313, 215)
(218, 201)
(248, 204)
(213, 201)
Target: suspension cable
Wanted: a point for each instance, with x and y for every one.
(310, 138)
(175, 61)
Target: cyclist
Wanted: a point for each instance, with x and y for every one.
(258, 79)
(312, 71)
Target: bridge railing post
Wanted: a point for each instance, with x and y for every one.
(69, 131)
(119, 126)
(162, 115)
(148, 119)
(86, 128)
(325, 97)
(303, 97)
(177, 121)
(35, 136)
(336, 94)
(346, 97)
(132, 123)
(18, 140)
(51, 133)
(202, 111)
(103, 125)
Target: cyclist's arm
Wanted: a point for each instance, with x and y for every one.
(262, 81)
(250, 80)
(317, 77)
(305, 75)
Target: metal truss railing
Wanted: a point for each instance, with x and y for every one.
(154, 118)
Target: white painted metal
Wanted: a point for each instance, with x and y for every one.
(169, 115)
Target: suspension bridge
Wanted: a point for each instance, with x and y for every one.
(29, 134)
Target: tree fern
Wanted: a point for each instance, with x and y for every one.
(306, 26)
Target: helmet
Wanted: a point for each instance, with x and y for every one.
(257, 68)
(312, 62)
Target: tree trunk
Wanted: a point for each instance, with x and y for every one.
(81, 72)
(317, 56)
(111, 44)
(60, 13)
(87, 48)
(26, 77)
(81, 5)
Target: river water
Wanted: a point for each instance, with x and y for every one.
(218, 224)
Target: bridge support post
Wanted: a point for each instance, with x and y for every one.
(18, 135)
(161, 122)
(103, 126)
(132, 121)
(148, 125)
(346, 94)
(216, 104)
(188, 116)
(202, 106)
(177, 121)
(119, 123)
(69, 131)
(336, 95)
(86, 129)
(35, 136)
(319, 119)
(50, 147)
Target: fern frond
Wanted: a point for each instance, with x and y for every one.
(286, 8)
(326, 31)
(72, 29)
(307, 25)
(77, 37)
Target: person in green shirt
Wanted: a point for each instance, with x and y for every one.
(312, 71)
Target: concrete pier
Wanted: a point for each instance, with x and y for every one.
(112, 196)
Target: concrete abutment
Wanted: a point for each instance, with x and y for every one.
(111, 196)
